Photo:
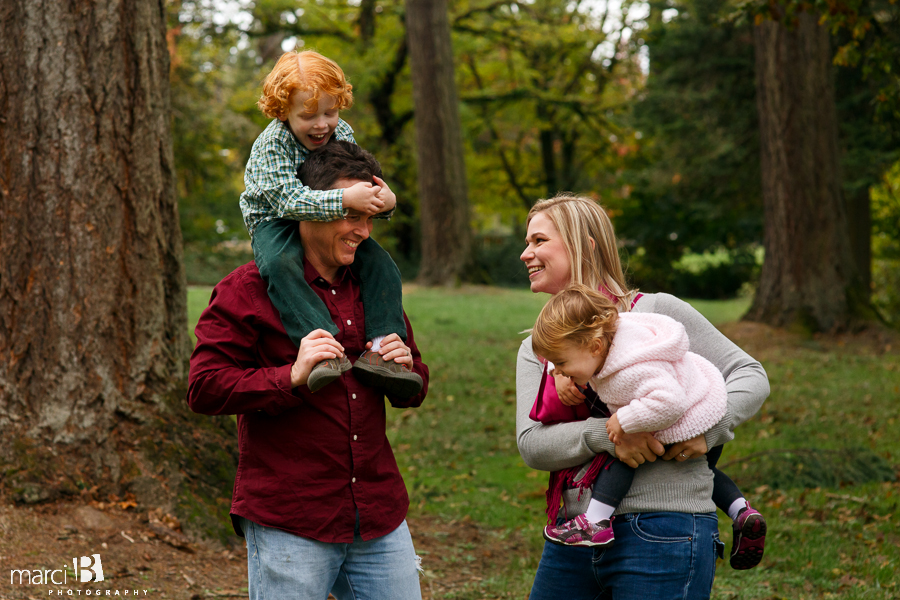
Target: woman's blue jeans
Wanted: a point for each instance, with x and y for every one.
(663, 556)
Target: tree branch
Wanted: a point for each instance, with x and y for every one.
(507, 167)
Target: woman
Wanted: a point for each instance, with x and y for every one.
(666, 528)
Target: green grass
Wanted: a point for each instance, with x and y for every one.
(829, 403)
(721, 311)
(198, 299)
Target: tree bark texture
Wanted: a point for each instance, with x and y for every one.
(443, 193)
(93, 301)
(809, 277)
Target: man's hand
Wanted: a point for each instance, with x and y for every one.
(614, 430)
(637, 448)
(568, 392)
(385, 195)
(688, 449)
(314, 348)
(364, 197)
(393, 348)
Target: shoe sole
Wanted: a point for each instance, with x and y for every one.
(319, 378)
(582, 544)
(750, 544)
(400, 385)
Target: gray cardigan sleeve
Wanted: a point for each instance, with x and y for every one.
(745, 379)
(551, 447)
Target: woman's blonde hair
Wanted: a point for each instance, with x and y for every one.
(580, 220)
(576, 316)
(305, 71)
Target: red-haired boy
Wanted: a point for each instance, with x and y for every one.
(303, 95)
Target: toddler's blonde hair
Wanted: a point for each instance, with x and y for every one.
(576, 316)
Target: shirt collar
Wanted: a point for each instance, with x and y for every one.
(312, 276)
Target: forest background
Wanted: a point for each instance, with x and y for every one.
(649, 107)
(713, 132)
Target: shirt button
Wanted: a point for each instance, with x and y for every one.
(353, 480)
(333, 293)
(354, 438)
(354, 396)
(348, 321)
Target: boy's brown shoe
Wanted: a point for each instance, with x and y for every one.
(327, 371)
(395, 379)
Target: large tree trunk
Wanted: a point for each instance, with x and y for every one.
(93, 330)
(443, 195)
(809, 277)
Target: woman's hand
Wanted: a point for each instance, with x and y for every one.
(568, 392)
(686, 450)
(614, 430)
(637, 448)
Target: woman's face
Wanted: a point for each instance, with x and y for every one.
(545, 257)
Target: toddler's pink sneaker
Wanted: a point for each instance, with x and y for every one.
(749, 539)
(581, 532)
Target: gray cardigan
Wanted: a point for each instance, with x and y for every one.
(663, 485)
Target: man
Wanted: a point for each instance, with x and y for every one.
(317, 494)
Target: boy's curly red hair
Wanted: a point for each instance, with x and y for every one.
(305, 71)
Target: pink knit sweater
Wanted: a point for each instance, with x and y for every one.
(653, 383)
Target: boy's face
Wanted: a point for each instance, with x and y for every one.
(312, 129)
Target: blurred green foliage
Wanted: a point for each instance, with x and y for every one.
(886, 245)
(693, 186)
(648, 107)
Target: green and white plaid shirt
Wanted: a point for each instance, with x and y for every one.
(272, 188)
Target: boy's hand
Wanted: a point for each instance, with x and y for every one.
(314, 348)
(614, 430)
(386, 195)
(364, 198)
(568, 392)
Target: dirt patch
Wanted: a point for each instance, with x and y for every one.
(145, 552)
(759, 339)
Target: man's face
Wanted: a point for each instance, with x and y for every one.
(312, 129)
(332, 245)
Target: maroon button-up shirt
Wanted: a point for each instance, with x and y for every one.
(308, 462)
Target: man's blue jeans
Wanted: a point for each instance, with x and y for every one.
(659, 556)
(283, 566)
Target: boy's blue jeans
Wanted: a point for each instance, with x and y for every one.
(279, 257)
(283, 566)
(658, 556)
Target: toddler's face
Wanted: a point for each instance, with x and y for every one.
(312, 129)
(578, 363)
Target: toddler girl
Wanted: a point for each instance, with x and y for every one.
(640, 366)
